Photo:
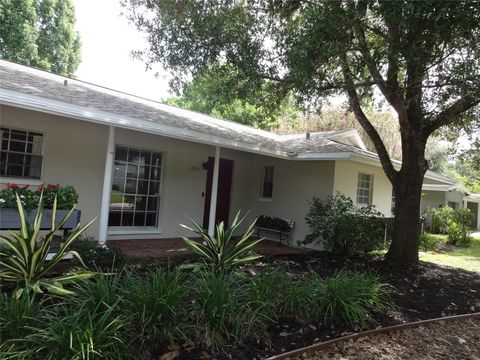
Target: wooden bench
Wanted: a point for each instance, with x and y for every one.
(282, 234)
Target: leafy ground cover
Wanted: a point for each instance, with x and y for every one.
(277, 304)
(417, 293)
(467, 257)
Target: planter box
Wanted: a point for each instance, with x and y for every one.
(10, 219)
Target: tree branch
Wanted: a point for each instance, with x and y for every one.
(365, 123)
(341, 86)
(450, 114)
(389, 88)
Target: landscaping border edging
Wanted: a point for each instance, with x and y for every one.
(322, 345)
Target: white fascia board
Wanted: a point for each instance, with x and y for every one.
(359, 140)
(473, 198)
(367, 159)
(434, 176)
(323, 156)
(349, 135)
(374, 160)
(36, 103)
(438, 187)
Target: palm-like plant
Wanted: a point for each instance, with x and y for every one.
(23, 259)
(219, 251)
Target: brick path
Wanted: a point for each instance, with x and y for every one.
(161, 248)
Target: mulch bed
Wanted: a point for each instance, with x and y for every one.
(451, 340)
(419, 292)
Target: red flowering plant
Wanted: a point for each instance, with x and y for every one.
(67, 196)
(8, 198)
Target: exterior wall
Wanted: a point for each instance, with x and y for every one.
(73, 154)
(475, 209)
(431, 199)
(456, 197)
(184, 181)
(294, 184)
(346, 178)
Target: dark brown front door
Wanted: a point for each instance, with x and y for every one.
(223, 194)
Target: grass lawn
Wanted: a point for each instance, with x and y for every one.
(467, 258)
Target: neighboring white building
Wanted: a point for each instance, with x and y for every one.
(453, 195)
(141, 167)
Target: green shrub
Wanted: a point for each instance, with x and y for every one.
(430, 242)
(93, 254)
(17, 317)
(104, 289)
(458, 234)
(453, 222)
(440, 218)
(343, 228)
(72, 331)
(347, 298)
(23, 258)
(463, 219)
(156, 308)
(281, 293)
(221, 252)
(88, 325)
(224, 312)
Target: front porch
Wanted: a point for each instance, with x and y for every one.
(163, 248)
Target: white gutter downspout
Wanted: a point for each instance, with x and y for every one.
(107, 183)
(213, 197)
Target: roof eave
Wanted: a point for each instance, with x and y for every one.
(37, 103)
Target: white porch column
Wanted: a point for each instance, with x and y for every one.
(213, 197)
(107, 183)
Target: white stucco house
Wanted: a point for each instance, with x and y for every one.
(142, 167)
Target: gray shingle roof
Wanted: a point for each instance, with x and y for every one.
(49, 86)
(43, 85)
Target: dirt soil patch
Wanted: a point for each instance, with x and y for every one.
(449, 340)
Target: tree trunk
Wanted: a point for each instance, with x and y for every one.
(406, 226)
(408, 191)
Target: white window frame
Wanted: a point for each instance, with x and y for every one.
(26, 180)
(361, 189)
(264, 181)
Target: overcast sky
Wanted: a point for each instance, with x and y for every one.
(107, 39)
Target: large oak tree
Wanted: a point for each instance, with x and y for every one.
(40, 33)
(422, 57)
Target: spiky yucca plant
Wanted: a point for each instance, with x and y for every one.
(23, 259)
(219, 251)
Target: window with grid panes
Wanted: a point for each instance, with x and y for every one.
(21, 153)
(364, 189)
(267, 184)
(135, 196)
